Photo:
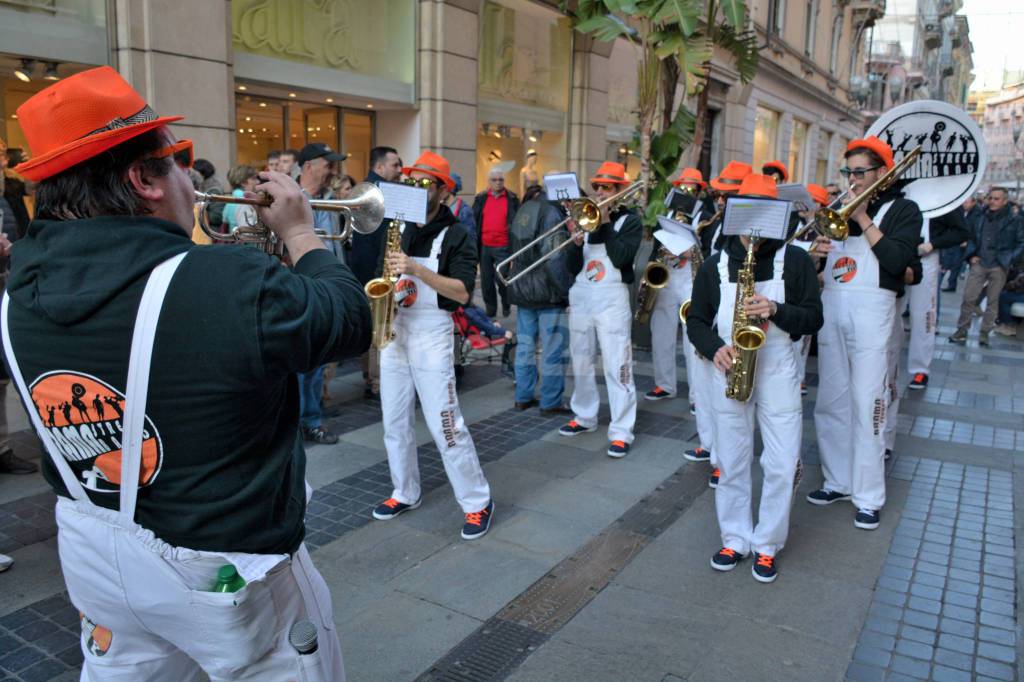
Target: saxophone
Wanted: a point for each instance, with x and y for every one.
(696, 260)
(381, 292)
(747, 337)
(655, 278)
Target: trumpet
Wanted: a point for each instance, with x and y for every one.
(585, 213)
(364, 211)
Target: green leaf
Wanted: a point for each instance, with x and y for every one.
(603, 27)
(668, 46)
(685, 13)
(694, 57)
(742, 47)
(735, 12)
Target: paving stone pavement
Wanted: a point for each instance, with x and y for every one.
(931, 595)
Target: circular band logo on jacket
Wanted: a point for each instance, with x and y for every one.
(83, 416)
(844, 269)
(595, 271)
(405, 293)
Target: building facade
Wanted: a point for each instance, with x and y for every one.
(1002, 123)
(484, 82)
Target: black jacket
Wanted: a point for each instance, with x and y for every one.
(457, 258)
(223, 404)
(14, 193)
(622, 245)
(366, 250)
(799, 315)
(478, 212)
(1009, 242)
(948, 230)
(901, 228)
(546, 286)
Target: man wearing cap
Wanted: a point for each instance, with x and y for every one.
(862, 275)
(787, 304)
(493, 212)
(438, 268)
(182, 462)
(776, 170)
(599, 314)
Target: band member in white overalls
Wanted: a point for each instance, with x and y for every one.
(600, 317)
(438, 268)
(802, 346)
(862, 277)
(726, 184)
(892, 355)
(788, 303)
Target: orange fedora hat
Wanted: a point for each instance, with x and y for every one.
(757, 185)
(731, 176)
(81, 117)
(610, 173)
(690, 175)
(776, 166)
(818, 193)
(872, 143)
(434, 165)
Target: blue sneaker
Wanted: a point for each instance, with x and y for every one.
(574, 428)
(618, 449)
(478, 523)
(866, 519)
(390, 508)
(826, 496)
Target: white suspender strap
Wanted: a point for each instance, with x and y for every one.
(779, 264)
(73, 485)
(137, 386)
(435, 247)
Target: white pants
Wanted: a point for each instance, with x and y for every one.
(777, 407)
(892, 387)
(420, 362)
(599, 317)
(849, 416)
(148, 613)
(921, 298)
(664, 331)
(699, 374)
(801, 351)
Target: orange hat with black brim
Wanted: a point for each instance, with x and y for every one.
(776, 166)
(731, 176)
(818, 193)
(610, 173)
(872, 143)
(757, 185)
(434, 165)
(79, 118)
(690, 176)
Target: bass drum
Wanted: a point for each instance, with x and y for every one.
(953, 154)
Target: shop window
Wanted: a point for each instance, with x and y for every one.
(507, 147)
(260, 129)
(766, 135)
(810, 27)
(821, 174)
(357, 141)
(797, 151)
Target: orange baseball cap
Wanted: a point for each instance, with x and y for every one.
(690, 175)
(818, 193)
(731, 176)
(757, 185)
(81, 117)
(610, 172)
(778, 166)
(872, 143)
(434, 165)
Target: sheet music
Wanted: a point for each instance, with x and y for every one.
(404, 202)
(768, 218)
(675, 236)
(797, 195)
(562, 186)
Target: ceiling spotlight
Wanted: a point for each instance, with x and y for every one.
(292, 94)
(329, 100)
(533, 137)
(263, 104)
(51, 72)
(369, 105)
(24, 72)
(242, 88)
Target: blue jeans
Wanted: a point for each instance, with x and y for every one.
(550, 325)
(1006, 300)
(311, 387)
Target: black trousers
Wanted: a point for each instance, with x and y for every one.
(489, 259)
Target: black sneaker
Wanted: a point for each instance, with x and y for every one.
(919, 382)
(574, 428)
(763, 569)
(959, 336)
(713, 478)
(825, 496)
(693, 409)
(866, 519)
(726, 559)
(526, 405)
(888, 454)
(12, 464)
(390, 508)
(478, 523)
(657, 393)
(697, 455)
(554, 411)
(618, 449)
(319, 434)
(803, 389)
(983, 339)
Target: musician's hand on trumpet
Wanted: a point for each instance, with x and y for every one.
(724, 358)
(288, 215)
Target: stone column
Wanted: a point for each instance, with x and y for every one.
(448, 37)
(178, 55)
(588, 106)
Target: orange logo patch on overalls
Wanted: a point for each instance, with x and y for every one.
(84, 419)
(844, 269)
(678, 262)
(405, 293)
(595, 271)
(97, 638)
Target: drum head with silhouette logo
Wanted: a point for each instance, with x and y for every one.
(953, 154)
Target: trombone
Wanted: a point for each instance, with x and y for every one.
(586, 213)
(364, 211)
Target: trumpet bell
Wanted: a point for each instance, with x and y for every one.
(364, 206)
(749, 338)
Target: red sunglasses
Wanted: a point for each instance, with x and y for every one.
(174, 149)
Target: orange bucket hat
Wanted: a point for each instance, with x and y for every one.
(818, 193)
(434, 165)
(759, 185)
(776, 166)
(691, 175)
(80, 117)
(610, 173)
(731, 176)
(874, 144)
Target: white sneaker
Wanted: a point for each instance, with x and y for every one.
(5, 562)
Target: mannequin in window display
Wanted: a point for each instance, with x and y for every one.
(528, 174)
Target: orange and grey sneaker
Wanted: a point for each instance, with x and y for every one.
(803, 388)
(478, 523)
(764, 570)
(658, 393)
(618, 449)
(919, 381)
(574, 428)
(697, 455)
(713, 478)
(390, 508)
(726, 559)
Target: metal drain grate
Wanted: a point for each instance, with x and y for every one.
(490, 653)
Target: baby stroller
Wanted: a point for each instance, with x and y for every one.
(471, 343)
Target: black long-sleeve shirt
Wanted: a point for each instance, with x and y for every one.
(799, 315)
(901, 230)
(458, 254)
(948, 230)
(621, 245)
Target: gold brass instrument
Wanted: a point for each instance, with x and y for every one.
(364, 211)
(654, 279)
(696, 260)
(585, 213)
(710, 221)
(381, 292)
(747, 337)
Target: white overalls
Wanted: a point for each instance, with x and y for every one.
(801, 351)
(699, 375)
(147, 609)
(665, 324)
(922, 300)
(420, 361)
(600, 316)
(776, 405)
(892, 388)
(849, 416)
